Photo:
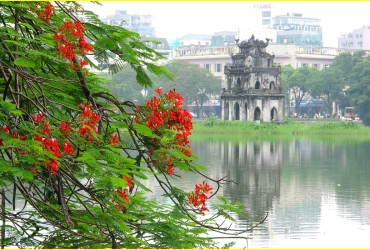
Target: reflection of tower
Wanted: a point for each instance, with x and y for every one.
(255, 167)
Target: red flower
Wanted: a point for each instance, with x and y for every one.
(46, 129)
(83, 63)
(53, 167)
(58, 37)
(71, 40)
(170, 169)
(38, 117)
(68, 150)
(5, 129)
(123, 195)
(65, 128)
(128, 180)
(199, 197)
(113, 140)
(85, 109)
(38, 138)
(46, 11)
(158, 91)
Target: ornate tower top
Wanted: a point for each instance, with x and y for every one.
(247, 45)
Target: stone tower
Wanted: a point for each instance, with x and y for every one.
(253, 90)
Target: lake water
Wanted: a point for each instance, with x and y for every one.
(316, 191)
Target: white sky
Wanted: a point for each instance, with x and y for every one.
(176, 19)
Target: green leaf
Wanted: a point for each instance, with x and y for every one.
(24, 174)
(122, 225)
(24, 62)
(144, 130)
(221, 198)
(7, 106)
(118, 182)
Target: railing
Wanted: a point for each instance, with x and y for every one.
(324, 51)
(253, 92)
(233, 49)
(203, 51)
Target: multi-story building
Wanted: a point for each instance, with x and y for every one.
(358, 39)
(218, 39)
(141, 24)
(296, 29)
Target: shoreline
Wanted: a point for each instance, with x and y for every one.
(288, 127)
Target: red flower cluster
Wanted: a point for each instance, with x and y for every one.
(51, 145)
(113, 139)
(166, 112)
(199, 197)
(65, 128)
(128, 180)
(71, 40)
(38, 117)
(124, 192)
(89, 120)
(124, 195)
(45, 11)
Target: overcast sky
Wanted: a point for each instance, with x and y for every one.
(176, 19)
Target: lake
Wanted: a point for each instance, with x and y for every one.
(316, 190)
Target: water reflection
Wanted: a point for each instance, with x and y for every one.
(256, 169)
(315, 189)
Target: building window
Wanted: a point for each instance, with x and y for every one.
(266, 21)
(208, 67)
(217, 67)
(160, 46)
(357, 36)
(359, 43)
(304, 64)
(315, 65)
(266, 13)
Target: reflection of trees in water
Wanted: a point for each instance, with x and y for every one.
(353, 178)
(256, 168)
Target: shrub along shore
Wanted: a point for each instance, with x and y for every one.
(288, 127)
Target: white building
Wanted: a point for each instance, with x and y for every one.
(195, 40)
(358, 39)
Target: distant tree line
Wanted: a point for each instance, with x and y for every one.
(346, 81)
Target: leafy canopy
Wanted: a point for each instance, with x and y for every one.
(74, 158)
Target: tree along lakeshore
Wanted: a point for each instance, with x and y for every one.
(344, 82)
